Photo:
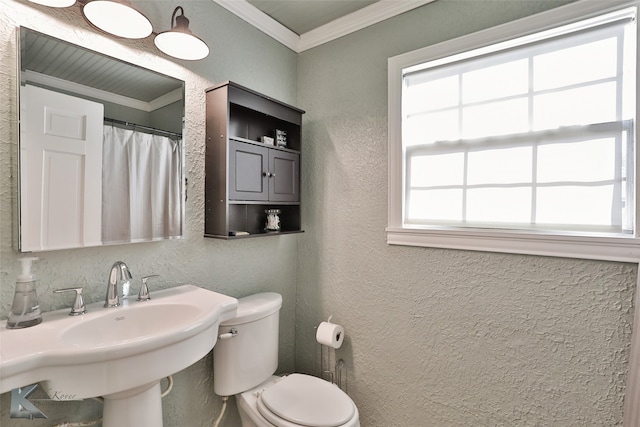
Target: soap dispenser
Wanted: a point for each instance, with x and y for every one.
(25, 311)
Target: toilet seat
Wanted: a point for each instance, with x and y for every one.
(303, 400)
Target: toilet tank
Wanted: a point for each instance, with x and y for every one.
(250, 357)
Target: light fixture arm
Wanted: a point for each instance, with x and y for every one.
(181, 21)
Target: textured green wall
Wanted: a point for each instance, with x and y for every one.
(240, 53)
(440, 337)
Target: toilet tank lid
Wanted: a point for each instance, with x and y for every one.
(254, 307)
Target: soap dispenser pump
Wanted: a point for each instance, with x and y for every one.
(25, 311)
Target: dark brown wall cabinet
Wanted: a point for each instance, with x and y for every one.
(245, 176)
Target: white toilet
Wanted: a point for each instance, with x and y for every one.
(244, 361)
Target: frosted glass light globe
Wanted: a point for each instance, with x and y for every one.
(118, 18)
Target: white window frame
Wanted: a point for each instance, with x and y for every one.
(623, 248)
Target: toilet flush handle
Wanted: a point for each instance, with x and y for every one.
(232, 333)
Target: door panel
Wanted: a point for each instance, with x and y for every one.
(61, 170)
(284, 182)
(247, 171)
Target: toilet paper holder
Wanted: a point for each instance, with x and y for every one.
(337, 378)
(339, 375)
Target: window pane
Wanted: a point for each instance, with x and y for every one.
(590, 104)
(508, 165)
(429, 128)
(435, 205)
(436, 170)
(578, 64)
(431, 95)
(495, 82)
(495, 118)
(507, 205)
(524, 134)
(575, 205)
(585, 161)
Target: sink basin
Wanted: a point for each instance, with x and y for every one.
(114, 352)
(130, 325)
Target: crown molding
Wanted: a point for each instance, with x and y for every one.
(367, 16)
(263, 22)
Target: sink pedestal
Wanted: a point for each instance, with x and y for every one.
(141, 406)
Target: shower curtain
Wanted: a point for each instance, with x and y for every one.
(141, 186)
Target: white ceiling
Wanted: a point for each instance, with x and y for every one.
(304, 24)
(302, 16)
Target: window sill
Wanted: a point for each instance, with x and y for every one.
(623, 249)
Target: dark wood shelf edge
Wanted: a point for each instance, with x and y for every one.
(261, 144)
(248, 236)
(262, 202)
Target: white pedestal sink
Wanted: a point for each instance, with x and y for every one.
(118, 353)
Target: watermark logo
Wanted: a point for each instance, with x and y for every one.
(21, 407)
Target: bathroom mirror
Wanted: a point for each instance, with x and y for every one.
(101, 152)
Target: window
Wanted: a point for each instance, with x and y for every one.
(518, 139)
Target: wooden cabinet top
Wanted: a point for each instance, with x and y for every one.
(250, 98)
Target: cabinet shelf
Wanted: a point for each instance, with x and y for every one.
(243, 176)
(262, 234)
(260, 202)
(262, 144)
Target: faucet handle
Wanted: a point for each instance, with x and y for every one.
(143, 295)
(78, 305)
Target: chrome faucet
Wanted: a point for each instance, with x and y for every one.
(118, 269)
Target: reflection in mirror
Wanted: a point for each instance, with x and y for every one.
(101, 149)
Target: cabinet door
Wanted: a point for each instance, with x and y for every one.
(284, 176)
(248, 166)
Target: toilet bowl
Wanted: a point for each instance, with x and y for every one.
(244, 361)
(297, 400)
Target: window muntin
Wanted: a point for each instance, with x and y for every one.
(481, 136)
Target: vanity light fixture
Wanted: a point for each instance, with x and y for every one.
(180, 42)
(55, 3)
(117, 17)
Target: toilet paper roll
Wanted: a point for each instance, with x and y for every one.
(330, 334)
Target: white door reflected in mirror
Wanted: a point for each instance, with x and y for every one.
(61, 164)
